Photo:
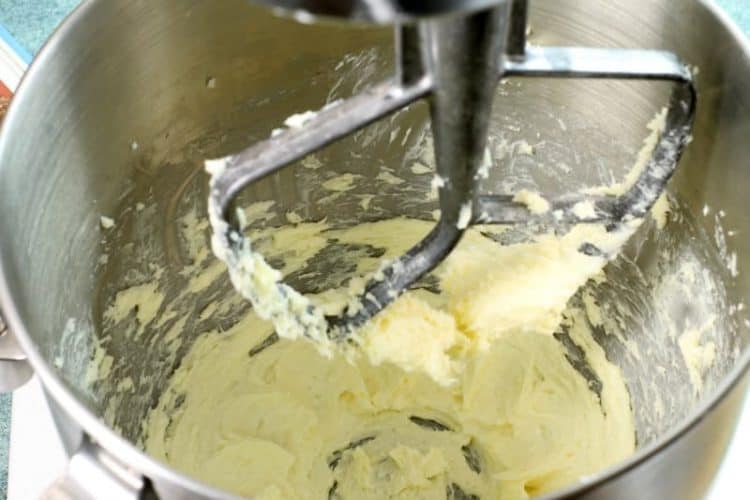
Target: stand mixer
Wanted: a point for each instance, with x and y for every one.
(159, 59)
(452, 53)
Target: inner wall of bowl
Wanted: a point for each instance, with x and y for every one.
(536, 143)
(220, 96)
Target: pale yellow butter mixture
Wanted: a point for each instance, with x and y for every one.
(463, 392)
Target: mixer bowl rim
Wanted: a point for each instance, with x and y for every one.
(152, 468)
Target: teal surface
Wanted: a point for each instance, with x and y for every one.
(32, 21)
(5, 402)
(739, 10)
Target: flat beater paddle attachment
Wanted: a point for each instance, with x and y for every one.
(455, 60)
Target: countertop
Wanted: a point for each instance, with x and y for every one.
(32, 21)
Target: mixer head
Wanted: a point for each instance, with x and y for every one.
(455, 60)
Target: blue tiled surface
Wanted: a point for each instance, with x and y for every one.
(32, 21)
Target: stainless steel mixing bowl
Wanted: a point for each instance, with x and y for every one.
(128, 98)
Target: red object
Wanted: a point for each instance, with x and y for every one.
(4, 92)
(5, 96)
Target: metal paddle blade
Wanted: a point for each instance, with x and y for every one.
(455, 62)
